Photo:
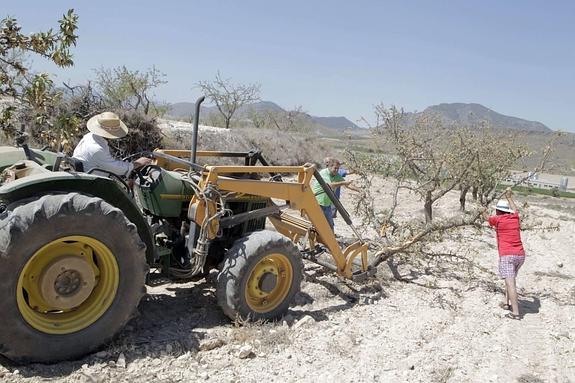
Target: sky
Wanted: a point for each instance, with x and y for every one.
(334, 58)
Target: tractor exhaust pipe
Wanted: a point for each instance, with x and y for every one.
(195, 129)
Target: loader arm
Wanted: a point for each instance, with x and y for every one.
(311, 225)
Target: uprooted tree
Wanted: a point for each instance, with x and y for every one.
(430, 160)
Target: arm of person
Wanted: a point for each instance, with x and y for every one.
(142, 161)
(353, 187)
(104, 160)
(484, 214)
(509, 196)
(334, 185)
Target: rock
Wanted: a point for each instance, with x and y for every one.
(211, 344)
(301, 299)
(185, 355)
(169, 348)
(121, 362)
(101, 354)
(560, 265)
(303, 321)
(246, 351)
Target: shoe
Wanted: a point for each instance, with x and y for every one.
(513, 316)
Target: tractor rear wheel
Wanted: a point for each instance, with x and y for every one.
(72, 272)
(260, 275)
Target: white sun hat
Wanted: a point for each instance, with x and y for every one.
(107, 125)
(503, 205)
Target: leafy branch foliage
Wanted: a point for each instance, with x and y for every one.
(35, 92)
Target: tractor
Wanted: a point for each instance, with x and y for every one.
(76, 248)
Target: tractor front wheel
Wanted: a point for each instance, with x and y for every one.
(261, 274)
(72, 271)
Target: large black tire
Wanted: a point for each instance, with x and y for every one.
(29, 227)
(261, 255)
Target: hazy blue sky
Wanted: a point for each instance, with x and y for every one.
(336, 57)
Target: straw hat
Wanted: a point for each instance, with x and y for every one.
(503, 205)
(107, 125)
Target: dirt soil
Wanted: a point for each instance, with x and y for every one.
(438, 323)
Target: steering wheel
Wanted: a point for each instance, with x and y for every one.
(143, 172)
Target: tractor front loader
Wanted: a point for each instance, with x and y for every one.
(76, 248)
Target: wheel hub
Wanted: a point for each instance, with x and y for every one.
(267, 282)
(67, 282)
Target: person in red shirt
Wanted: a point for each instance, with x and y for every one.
(511, 253)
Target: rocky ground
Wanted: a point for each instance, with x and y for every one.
(439, 323)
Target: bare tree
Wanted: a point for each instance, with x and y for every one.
(122, 88)
(434, 156)
(497, 153)
(292, 120)
(229, 97)
(419, 165)
(257, 118)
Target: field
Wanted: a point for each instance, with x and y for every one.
(437, 323)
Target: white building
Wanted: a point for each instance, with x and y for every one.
(543, 181)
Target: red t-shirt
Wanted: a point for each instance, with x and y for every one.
(508, 234)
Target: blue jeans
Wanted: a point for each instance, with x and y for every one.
(328, 212)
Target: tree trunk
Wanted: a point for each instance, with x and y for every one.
(462, 196)
(428, 207)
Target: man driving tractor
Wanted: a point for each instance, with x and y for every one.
(93, 149)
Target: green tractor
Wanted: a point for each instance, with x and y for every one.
(76, 248)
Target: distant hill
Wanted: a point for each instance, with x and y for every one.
(338, 123)
(467, 114)
(470, 114)
(185, 110)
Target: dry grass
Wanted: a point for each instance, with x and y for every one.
(278, 148)
(263, 336)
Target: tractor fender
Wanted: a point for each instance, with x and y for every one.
(92, 185)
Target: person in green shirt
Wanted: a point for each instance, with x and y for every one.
(331, 177)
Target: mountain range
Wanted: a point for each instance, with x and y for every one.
(461, 113)
(186, 110)
(471, 114)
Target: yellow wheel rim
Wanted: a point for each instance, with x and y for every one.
(67, 285)
(269, 283)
